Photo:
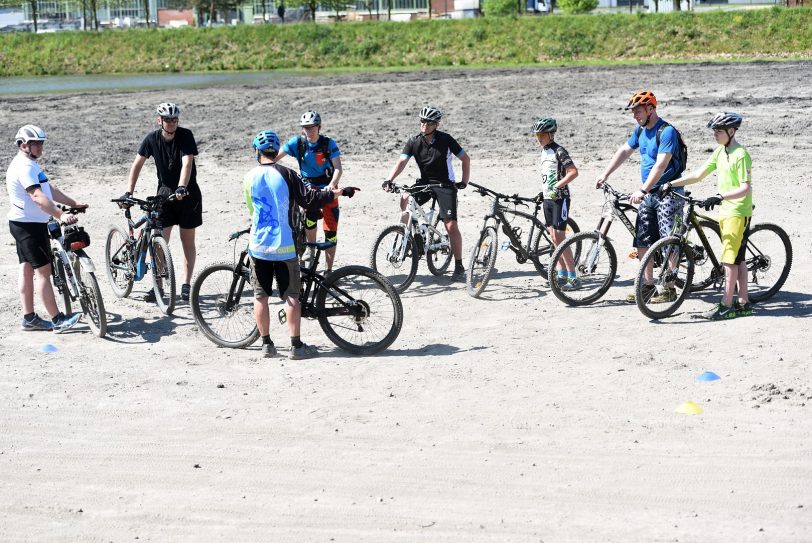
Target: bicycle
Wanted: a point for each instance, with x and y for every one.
(537, 247)
(768, 259)
(399, 247)
(126, 256)
(73, 273)
(357, 308)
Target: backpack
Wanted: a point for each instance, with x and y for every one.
(322, 145)
(681, 155)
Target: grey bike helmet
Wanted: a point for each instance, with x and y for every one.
(169, 110)
(545, 124)
(432, 114)
(726, 119)
(310, 118)
(28, 133)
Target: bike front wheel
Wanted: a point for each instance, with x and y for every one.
(359, 310)
(163, 275)
(542, 248)
(439, 259)
(223, 306)
(673, 270)
(595, 264)
(482, 261)
(91, 299)
(768, 258)
(118, 260)
(394, 257)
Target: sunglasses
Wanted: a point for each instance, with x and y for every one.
(428, 123)
(169, 119)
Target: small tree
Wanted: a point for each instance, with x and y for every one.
(574, 7)
(499, 8)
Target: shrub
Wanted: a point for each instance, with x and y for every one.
(572, 7)
(500, 8)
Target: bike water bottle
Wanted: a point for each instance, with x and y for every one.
(141, 265)
(430, 216)
(505, 245)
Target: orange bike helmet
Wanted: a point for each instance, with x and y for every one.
(642, 98)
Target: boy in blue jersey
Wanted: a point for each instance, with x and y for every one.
(271, 192)
(658, 165)
(320, 167)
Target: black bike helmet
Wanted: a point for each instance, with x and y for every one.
(545, 124)
(431, 114)
(726, 119)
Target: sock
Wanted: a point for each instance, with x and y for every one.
(58, 317)
(266, 340)
(296, 341)
(458, 264)
(571, 275)
(562, 274)
(29, 316)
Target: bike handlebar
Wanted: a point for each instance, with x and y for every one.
(619, 195)
(152, 202)
(71, 210)
(414, 188)
(237, 234)
(484, 191)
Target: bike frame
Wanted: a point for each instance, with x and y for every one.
(150, 221)
(498, 217)
(415, 213)
(70, 282)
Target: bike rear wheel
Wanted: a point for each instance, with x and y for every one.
(705, 273)
(59, 280)
(375, 314)
(223, 306)
(672, 278)
(118, 262)
(595, 264)
(438, 260)
(163, 275)
(769, 259)
(483, 259)
(542, 248)
(398, 264)
(90, 298)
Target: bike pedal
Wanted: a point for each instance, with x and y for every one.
(283, 317)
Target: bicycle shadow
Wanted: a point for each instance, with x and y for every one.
(142, 330)
(436, 349)
(783, 304)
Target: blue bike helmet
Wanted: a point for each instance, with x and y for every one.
(266, 141)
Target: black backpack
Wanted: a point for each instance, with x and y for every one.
(322, 145)
(681, 156)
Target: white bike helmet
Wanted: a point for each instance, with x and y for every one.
(432, 114)
(310, 118)
(169, 110)
(28, 133)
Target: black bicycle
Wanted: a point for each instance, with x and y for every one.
(126, 256)
(675, 259)
(536, 247)
(357, 308)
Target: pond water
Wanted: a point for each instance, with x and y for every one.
(117, 82)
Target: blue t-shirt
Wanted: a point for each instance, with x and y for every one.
(314, 163)
(647, 142)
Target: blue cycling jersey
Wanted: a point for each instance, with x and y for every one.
(314, 163)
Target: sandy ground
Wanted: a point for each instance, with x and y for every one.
(508, 418)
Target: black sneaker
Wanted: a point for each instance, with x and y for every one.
(458, 275)
(184, 292)
(268, 350)
(149, 297)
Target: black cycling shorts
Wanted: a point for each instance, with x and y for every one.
(446, 199)
(556, 213)
(33, 242)
(186, 213)
(288, 279)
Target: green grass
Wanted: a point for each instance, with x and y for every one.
(585, 39)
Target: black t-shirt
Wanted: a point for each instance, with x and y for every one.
(169, 155)
(434, 159)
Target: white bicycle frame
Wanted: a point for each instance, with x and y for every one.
(415, 213)
(84, 261)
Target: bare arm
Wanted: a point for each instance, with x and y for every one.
(741, 192)
(621, 155)
(337, 171)
(45, 203)
(400, 165)
(691, 178)
(185, 172)
(135, 171)
(63, 198)
(466, 167)
(656, 171)
(572, 173)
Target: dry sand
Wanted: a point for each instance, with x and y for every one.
(508, 418)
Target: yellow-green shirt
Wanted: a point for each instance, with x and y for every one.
(732, 168)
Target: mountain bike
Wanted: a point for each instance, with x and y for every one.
(537, 247)
(597, 267)
(126, 255)
(399, 247)
(357, 308)
(768, 256)
(73, 273)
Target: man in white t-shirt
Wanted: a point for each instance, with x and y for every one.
(32, 200)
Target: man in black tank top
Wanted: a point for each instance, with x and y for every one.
(173, 149)
(433, 151)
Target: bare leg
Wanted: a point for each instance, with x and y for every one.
(744, 296)
(404, 202)
(187, 240)
(454, 237)
(731, 278)
(262, 315)
(293, 311)
(558, 238)
(42, 283)
(329, 256)
(26, 286)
